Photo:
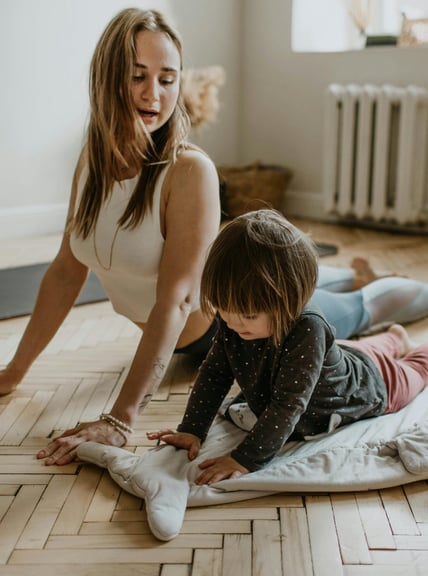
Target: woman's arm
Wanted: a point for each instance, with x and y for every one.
(191, 214)
(191, 221)
(58, 291)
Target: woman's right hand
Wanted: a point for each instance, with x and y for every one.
(9, 380)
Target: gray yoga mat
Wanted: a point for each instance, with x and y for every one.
(325, 249)
(19, 287)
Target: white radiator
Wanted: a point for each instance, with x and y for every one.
(376, 154)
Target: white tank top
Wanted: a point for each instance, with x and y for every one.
(125, 261)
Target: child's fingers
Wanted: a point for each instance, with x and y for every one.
(211, 476)
(158, 435)
(207, 463)
(193, 451)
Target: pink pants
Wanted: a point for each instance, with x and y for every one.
(404, 377)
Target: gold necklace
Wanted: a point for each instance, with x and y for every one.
(111, 248)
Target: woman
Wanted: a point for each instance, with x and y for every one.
(144, 209)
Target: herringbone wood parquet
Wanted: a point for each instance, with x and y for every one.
(75, 520)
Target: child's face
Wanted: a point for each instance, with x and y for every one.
(249, 327)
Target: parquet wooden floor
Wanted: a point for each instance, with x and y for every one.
(74, 520)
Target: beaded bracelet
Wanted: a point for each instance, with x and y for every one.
(117, 423)
(121, 432)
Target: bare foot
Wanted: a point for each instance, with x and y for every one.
(364, 273)
(407, 344)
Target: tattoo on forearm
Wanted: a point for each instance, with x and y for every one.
(145, 401)
(159, 369)
(158, 373)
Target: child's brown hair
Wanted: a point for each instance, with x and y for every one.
(260, 262)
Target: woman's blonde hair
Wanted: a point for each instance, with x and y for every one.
(116, 137)
(260, 262)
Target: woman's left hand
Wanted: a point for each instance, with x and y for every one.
(63, 449)
(216, 469)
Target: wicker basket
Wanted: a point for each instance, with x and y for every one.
(252, 186)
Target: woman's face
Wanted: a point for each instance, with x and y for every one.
(156, 79)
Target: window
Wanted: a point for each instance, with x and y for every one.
(340, 25)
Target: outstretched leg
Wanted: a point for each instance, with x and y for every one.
(344, 311)
(402, 363)
(395, 299)
(386, 300)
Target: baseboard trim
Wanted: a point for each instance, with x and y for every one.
(305, 204)
(43, 220)
(28, 221)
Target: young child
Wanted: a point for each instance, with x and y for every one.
(297, 380)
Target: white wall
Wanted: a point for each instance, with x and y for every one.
(45, 50)
(282, 117)
(211, 35)
(272, 102)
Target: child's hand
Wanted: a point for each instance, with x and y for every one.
(189, 442)
(216, 469)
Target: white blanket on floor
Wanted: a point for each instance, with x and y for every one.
(376, 453)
